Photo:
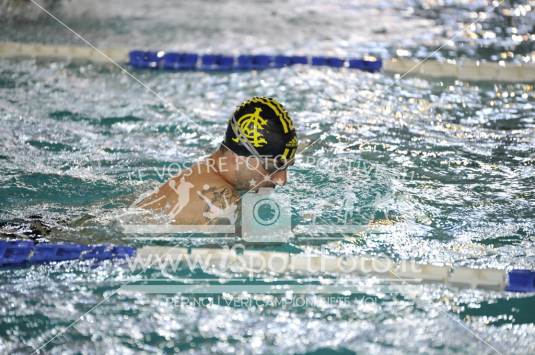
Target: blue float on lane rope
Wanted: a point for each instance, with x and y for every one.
(217, 62)
(521, 281)
(21, 253)
(179, 61)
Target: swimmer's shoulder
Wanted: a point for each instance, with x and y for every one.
(199, 185)
(212, 200)
(214, 186)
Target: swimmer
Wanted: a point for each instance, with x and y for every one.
(259, 145)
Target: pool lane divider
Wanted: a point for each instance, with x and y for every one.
(219, 62)
(464, 69)
(26, 252)
(22, 253)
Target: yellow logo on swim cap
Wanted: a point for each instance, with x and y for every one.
(276, 107)
(249, 125)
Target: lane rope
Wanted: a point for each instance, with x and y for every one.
(465, 69)
(22, 253)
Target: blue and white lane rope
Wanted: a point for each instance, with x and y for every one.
(218, 62)
(21, 253)
(463, 68)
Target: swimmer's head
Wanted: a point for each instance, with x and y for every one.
(261, 126)
(261, 129)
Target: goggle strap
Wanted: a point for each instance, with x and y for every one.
(242, 138)
(247, 145)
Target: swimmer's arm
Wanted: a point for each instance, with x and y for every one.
(158, 199)
(223, 197)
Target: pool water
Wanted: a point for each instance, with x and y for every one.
(451, 164)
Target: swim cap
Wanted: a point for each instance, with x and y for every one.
(261, 126)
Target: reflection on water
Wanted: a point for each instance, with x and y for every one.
(449, 164)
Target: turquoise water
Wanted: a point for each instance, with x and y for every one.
(450, 163)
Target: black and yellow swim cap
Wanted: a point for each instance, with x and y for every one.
(261, 126)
